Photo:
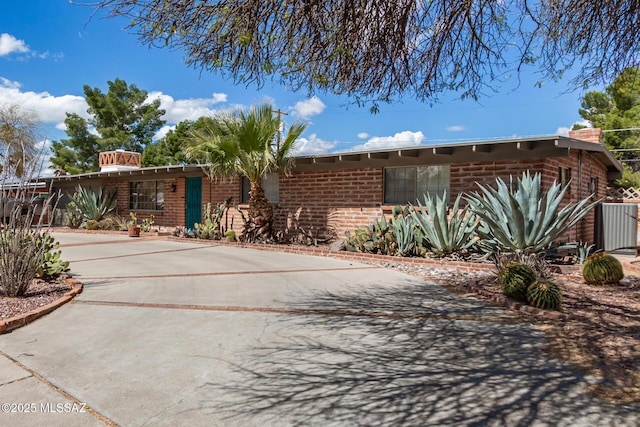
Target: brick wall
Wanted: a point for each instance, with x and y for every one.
(464, 176)
(327, 202)
(174, 202)
(332, 202)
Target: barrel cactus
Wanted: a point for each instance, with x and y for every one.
(602, 269)
(545, 294)
(514, 278)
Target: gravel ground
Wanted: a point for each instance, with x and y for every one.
(40, 293)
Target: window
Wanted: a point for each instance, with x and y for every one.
(593, 186)
(564, 176)
(270, 185)
(406, 185)
(146, 195)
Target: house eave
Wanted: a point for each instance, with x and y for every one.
(466, 152)
(431, 154)
(155, 172)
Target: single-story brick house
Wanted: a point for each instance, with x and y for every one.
(332, 193)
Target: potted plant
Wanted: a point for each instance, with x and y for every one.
(132, 225)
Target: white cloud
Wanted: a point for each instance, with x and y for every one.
(10, 44)
(187, 109)
(312, 146)
(564, 131)
(163, 131)
(52, 109)
(401, 139)
(307, 108)
(9, 84)
(455, 128)
(363, 135)
(49, 108)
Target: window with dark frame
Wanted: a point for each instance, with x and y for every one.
(270, 185)
(593, 186)
(146, 196)
(564, 177)
(408, 184)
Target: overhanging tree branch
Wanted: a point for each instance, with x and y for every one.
(382, 51)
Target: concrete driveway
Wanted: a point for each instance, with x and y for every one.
(183, 334)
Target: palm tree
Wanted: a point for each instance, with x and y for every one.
(248, 144)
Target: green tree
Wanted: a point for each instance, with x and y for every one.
(248, 144)
(19, 134)
(121, 118)
(170, 149)
(384, 50)
(79, 153)
(617, 108)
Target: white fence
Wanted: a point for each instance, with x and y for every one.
(621, 194)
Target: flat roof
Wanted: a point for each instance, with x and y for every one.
(448, 153)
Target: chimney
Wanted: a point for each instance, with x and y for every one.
(587, 134)
(119, 160)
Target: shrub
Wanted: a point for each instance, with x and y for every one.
(21, 257)
(524, 217)
(182, 232)
(94, 206)
(112, 222)
(602, 269)
(545, 294)
(514, 279)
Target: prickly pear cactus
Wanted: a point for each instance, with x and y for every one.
(515, 278)
(52, 264)
(602, 269)
(545, 294)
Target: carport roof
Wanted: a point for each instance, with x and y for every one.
(493, 150)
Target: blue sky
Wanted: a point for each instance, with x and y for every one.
(49, 49)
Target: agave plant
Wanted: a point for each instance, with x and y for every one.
(445, 233)
(525, 218)
(94, 206)
(408, 239)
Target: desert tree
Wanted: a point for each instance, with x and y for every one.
(123, 117)
(19, 138)
(617, 109)
(380, 51)
(23, 243)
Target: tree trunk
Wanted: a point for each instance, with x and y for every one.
(260, 214)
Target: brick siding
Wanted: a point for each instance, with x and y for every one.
(328, 203)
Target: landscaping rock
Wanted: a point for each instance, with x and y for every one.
(338, 245)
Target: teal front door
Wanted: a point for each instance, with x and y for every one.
(194, 201)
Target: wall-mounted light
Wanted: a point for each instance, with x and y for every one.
(174, 187)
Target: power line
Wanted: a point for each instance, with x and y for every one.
(620, 130)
